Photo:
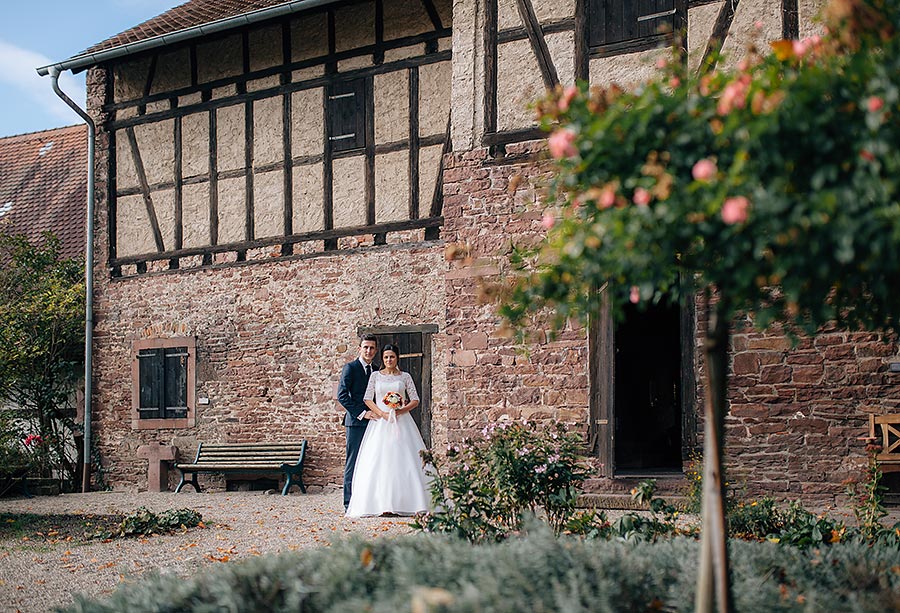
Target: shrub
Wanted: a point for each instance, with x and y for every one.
(538, 572)
(754, 520)
(483, 489)
(143, 521)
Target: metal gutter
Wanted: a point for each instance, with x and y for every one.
(85, 60)
(88, 277)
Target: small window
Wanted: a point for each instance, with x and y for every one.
(620, 26)
(163, 384)
(347, 115)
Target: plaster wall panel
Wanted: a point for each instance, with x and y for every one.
(405, 19)
(126, 176)
(195, 144)
(265, 83)
(195, 215)
(429, 165)
(268, 204)
(189, 99)
(626, 70)
(354, 63)
(562, 52)
(445, 44)
(518, 85)
(467, 89)
(129, 79)
(223, 92)
(402, 53)
(507, 15)
(268, 136)
(354, 26)
(173, 71)
(133, 233)
(304, 74)
(755, 22)
(810, 11)
(308, 122)
(230, 137)
(392, 186)
(701, 20)
(157, 106)
(349, 182)
(232, 210)
(220, 58)
(265, 47)
(157, 149)
(309, 37)
(391, 106)
(307, 203)
(434, 98)
(126, 113)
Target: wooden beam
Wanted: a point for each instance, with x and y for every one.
(192, 58)
(145, 189)
(413, 173)
(512, 136)
(490, 66)
(717, 38)
(790, 20)
(148, 84)
(213, 178)
(681, 30)
(327, 167)
(433, 14)
(370, 150)
(288, 184)
(378, 56)
(245, 61)
(326, 235)
(179, 227)
(508, 35)
(582, 52)
(538, 43)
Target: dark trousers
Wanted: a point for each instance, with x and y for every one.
(354, 438)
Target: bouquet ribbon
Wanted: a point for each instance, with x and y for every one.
(392, 419)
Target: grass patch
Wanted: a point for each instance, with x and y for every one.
(51, 529)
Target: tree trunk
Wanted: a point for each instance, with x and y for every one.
(714, 574)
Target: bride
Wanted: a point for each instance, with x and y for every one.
(389, 476)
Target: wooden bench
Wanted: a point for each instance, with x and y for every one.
(885, 429)
(246, 458)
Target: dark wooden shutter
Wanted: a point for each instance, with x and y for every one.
(347, 115)
(151, 379)
(175, 367)
(618, 21)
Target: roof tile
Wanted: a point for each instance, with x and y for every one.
(187, 15)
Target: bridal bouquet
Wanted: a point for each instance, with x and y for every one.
(393, 400)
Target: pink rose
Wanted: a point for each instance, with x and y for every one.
(801, 47)
(734, 96)
(562, 143)
(641, 197)
(674, 82)
(635, 295)
(704, 170)
(874, 104)
(568, 95)
(548, 220)
(607, 198)
(735, 210)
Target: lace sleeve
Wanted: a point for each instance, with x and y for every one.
(370, 389)
(410, 387)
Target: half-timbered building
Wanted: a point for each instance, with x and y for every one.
(275, 178)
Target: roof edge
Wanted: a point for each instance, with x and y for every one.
(79, 62)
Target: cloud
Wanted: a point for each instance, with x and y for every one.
(17, 71)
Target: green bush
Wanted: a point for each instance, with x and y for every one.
(143, 521)
(483, 489)
(538, 572)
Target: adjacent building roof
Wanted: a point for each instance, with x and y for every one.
(43, 186)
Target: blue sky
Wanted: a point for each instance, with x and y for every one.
(38, 32)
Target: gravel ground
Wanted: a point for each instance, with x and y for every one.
(40, 575)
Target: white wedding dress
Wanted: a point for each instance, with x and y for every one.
(389, 476)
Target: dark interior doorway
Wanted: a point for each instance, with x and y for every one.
(648, 408)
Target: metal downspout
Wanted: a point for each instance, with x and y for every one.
(88, 278)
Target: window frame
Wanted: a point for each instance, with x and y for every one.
(596, 9)
(155, 423)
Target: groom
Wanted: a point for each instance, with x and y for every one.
(352, 387)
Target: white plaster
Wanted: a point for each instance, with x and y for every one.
(232, 210)
(157, 149)
(173, 71)
(195, 214)
(392, 186)
(264, 83)
(810, 17)
(743, 31)
(308, 215)
(129, 78)
(403, 18)
(354, 26)
(268, 136)
(519, 84)
(429, 165)
(391, 106)
(265, 47)
(626, 70)
(268, 204)
(307, 122)
(434, 98)
(219, 58)
(126, 176)
(195, 144)
(349, 181)
(309, 36)
(701, 20)
(230, 139)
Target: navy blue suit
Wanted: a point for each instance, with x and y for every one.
(351, 389)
